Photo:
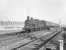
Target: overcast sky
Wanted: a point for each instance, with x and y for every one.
(51, 10)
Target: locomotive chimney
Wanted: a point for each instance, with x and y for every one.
(28, 18)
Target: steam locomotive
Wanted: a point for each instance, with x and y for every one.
(31, 25)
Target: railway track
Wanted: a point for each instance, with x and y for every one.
(39, 46)
(45, 42)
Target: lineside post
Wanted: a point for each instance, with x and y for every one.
(61, 44)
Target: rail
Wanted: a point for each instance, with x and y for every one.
(45, 42)
(38, 47)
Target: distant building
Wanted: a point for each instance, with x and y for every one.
(11, 25)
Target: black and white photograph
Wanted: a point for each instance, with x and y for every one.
(32, 24)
